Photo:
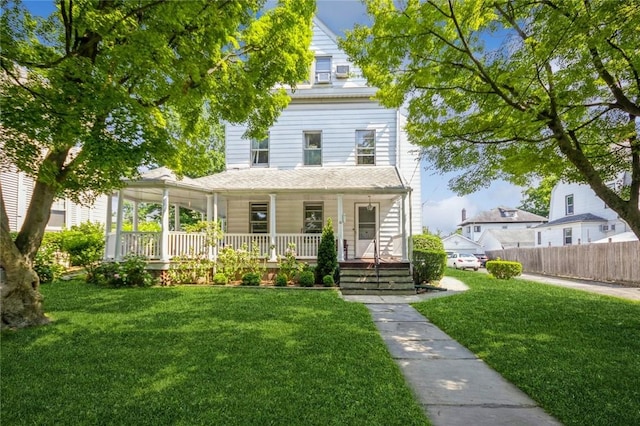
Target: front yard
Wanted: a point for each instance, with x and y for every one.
(577, 354)
(201, 355)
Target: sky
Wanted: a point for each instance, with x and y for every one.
(441, 207)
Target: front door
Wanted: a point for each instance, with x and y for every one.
(366, 229)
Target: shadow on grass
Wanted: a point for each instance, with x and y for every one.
(202, 356)
(576, 353)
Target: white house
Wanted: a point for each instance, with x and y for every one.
(461, 244)
(334, 152)
(578, 216)
(17, 189)
(501, 218)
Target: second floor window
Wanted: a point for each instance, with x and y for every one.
(258, 219)
(568, 204)
(566, 234)
(323, 69)
(260, 153)
(312, 148)
(365, 147)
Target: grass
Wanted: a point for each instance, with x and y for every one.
(201, 355)
(577, 354)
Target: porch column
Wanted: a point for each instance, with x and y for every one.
(215, 219)
(176, 217)
(117, 252)
(209, 218)
(107, 225)
(272, 226)
(164, 226)
(405, 239)
(340, 229)
(134, 221)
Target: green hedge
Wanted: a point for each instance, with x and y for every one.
(428, 265)
(427, 242)
(504, 269)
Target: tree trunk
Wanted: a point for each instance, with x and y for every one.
(21, 303)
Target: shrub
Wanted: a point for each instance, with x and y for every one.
(47, 263)
(327, 256)
(85, 245)
(503, 269)
(427, 242)
(129, 273)
(307, 278)
(251, 278)
(220, 279)
(235, 263)
(281, 280)
(187, 269)
(328, 281)
(288, 265)
(428, 265)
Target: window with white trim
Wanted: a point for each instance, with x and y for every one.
(566, 236)
(58, 216)
(365, 147)
(313, 218)
(260, 153)
(323, 69)
(568, 204)
(476, 228)
(312, 148)
(259, 218)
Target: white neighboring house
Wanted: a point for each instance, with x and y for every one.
(578, 216)
(461, 244)
(513, 225)
(17, 189)
(499, 239)
(334, 152)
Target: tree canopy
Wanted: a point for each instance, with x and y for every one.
(102, 87)
(513, 89)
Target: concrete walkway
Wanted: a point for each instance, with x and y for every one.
(624, 292)
(452, 384)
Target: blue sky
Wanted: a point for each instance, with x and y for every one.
(441, 207)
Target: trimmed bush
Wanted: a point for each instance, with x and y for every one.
(328, 281)
(504, 269)
(428, 265)
(85, 245)
(427, 242)
(47, 263)
(251, 279)
(327, 255)
(307, 278)
(281, 280)
(220, 279)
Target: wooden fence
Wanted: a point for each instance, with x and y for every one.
(607, 262)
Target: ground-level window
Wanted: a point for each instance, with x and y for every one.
(312, 148)
(476, 228)
(259, 218)
(566, 234)
(260, 153)
(365, 147)
(568, 204)
(58, 217)
(313, 218)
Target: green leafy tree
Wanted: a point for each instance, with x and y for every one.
(537, 199)
(513, 89)
(102, 87)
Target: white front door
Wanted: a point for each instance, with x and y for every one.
(366, 229)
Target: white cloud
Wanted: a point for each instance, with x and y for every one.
(445, 215)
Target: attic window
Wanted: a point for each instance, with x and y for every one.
(323, 69)
(508, 213)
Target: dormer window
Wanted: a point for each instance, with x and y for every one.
(568, 204)
(323, 70)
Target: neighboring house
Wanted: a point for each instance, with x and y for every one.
(334, 152)
(498, 239)
(578, 216)
(460, 244)
(500, 218)
(17, 189)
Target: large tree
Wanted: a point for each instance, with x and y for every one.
(102, 87)
(514, 89)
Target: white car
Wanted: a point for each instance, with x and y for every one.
(463, 261)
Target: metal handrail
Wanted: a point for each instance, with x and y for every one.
(376, 260)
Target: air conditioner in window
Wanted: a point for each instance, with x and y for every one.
(323, 77)
(342, 71)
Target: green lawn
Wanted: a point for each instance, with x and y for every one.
(201, 355)
(577, 354)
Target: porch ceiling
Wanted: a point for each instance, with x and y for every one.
(363, 179)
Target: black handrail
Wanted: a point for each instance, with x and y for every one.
(376, 260)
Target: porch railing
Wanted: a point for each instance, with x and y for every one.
(147, 244)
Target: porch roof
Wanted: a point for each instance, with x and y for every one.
(362, 179)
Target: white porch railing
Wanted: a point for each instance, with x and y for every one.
(147, 244)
